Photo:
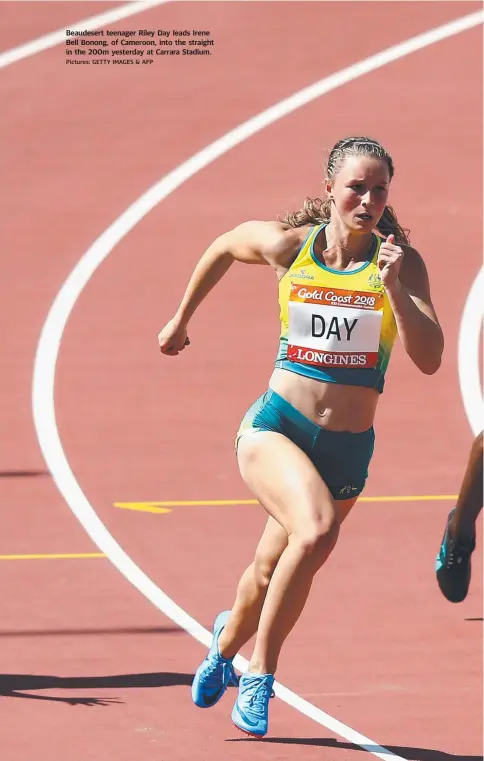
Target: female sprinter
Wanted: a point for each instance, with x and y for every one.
(304, 446)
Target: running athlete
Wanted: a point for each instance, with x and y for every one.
(453, 563)
(349, 283)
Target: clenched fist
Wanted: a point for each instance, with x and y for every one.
(390, 257)
(173, 338)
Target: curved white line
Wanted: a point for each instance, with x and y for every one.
(58, 37)
(470, 334)
(52, 331)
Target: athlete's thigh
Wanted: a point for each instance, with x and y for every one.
(285, 481)
(343, 507)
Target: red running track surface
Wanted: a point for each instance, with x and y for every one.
(92, 669)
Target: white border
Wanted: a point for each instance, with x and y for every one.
(53, 329)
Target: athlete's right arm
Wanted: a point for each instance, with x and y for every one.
(251, 243)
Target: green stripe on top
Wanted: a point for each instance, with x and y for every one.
(375, 247)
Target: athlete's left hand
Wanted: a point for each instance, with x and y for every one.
(390, 259)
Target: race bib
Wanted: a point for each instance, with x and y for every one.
(334, 327)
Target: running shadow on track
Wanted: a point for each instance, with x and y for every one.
(23, 473)
(121, 631)
(11, 683)
(412, 754)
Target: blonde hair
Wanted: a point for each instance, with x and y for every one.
(316, 211)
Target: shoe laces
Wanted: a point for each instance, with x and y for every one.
(261, 693)
(219, 670)
(233, 679)
(457, 553)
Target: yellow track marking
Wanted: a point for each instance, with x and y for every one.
(60, 556)
(144, 507)
(164, 507)
(420, 498)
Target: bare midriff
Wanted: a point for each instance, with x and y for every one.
(333, 406)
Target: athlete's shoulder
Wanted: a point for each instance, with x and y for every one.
(411, 253)
(282, 251)
(413, 272)
(274, 241)
(267, 231)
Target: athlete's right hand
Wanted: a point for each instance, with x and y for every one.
(173, 338)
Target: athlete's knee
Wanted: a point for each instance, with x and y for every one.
(317, 539)
(264, 568)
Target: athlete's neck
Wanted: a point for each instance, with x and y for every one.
(344, 248)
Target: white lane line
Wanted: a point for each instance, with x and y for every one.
(52, 331)
(58, 37)
(470, 335)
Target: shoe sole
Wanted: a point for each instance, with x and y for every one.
(453, 599)
(246, 732)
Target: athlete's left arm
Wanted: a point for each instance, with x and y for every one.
(406, 282)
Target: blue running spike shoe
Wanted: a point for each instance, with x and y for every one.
(453, 565)
(215, 673)
(250, 712)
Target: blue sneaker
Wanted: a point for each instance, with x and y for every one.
(215, 673)
(453, 565)
(250, 712)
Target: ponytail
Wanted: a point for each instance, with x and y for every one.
(313, 212)
(389, 225)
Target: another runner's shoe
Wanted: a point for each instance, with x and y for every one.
(250, 712)
(215, 673)
(453, 565)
